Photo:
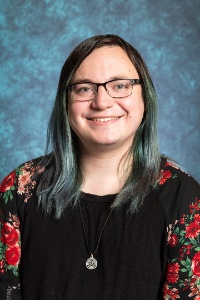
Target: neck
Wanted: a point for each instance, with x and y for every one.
(105, 172)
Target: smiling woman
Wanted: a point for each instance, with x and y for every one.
(106, 120)
(97, 215)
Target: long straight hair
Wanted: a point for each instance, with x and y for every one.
(60, 183)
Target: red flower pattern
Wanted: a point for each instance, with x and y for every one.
(195, 206)
(192, 230)
(8, 182)
(10, 235)
(172, 272)
(2, 264)
(197, 219)
(164, 176)
(173, 240)
(12, 255)
(196, 264)
(186, 233)
(170, 293)
(10, 242)
(194, 288)
(10, 250)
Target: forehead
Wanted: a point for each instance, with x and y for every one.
(104, 63)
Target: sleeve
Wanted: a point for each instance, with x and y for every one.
(10, 239)
(182, 275)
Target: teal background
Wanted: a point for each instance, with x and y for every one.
(37, 36)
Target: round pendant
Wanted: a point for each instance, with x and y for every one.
(91, 263)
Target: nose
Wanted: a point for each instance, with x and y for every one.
(102, 100)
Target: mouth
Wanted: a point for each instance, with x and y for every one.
(104, 119)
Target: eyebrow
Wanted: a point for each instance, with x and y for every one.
(90, 80)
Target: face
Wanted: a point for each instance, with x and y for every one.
(105, 121)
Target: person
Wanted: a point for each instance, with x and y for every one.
(102, 215)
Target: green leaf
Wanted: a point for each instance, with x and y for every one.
(182, 233)
(197, 249)
(191, 217)
(15, 271)
(184, 263)
(19, 171)
(12, 188)
(190, 273)
(182, 240)
(188, 261)
(176, 230)
(184, 270)
(2, 249)
(187, 243)
(193, 242)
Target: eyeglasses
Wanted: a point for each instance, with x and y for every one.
(117, 88)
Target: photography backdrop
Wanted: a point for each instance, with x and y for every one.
(38, 35)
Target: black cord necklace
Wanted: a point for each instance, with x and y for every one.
(91, 262)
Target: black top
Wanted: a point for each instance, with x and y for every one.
(151, 254)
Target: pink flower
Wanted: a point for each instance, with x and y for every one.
(20, 190)
(24, 178)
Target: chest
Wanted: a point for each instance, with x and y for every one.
(131, 248)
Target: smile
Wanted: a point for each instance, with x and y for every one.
(104, 119)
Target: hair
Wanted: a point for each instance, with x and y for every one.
(61, 181)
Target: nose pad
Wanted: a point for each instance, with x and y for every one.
(102, 100)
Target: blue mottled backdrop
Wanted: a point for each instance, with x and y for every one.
(38, 35)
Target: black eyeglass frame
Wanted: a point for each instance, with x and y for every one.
(133, 81)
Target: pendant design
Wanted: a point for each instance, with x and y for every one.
(91, 263)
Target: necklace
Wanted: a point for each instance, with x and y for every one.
(91, 262)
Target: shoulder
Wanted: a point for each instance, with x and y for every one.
(23, 179)
(28, 168)
(171, 175)
(177, 190)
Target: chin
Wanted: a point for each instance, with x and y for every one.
(107, 145)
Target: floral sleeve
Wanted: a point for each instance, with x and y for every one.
(182, 277)
(15, 191)
(10, 241)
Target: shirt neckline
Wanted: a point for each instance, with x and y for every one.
(97, 198)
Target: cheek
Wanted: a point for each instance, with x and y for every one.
(135, 108)
(72, 115)
(136, 114)
(75, 114)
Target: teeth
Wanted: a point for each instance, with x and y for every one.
(105, 119)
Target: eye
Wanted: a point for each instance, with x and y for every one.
(120, 85)
(81, 88)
